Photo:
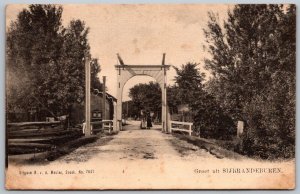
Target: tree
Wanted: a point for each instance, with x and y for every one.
(45, 61)
(253, 66)
(189, 81)
(71, 85)
(33, 45)
(146, 97)
(208, 117)
(173, 98)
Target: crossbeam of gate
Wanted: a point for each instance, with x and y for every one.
(126, 72)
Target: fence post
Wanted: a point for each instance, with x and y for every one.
(190, 130)
(240, 128)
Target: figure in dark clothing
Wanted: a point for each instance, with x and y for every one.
(149, 122)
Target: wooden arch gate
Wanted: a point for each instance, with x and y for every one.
(126, 72)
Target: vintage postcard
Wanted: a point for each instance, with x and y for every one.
(150, 96)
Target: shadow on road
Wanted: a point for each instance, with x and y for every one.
(135, 125)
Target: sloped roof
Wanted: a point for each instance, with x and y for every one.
(108, 96)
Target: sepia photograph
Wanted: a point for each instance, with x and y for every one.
(150, 96)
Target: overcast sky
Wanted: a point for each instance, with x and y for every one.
(140, 33)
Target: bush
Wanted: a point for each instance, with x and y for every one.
(270, 131)
(209, 119)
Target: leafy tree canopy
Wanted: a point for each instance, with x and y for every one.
(253, 66)
(146, 97)
(45, 61)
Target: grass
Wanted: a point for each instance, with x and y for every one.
(211, 146)
(56, 151)
(69, 147)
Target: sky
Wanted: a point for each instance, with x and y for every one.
(140, 34)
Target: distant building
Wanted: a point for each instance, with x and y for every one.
(78, 110)
(77, 115)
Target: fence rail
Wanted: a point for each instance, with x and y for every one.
(179, 126)
(42, 123)
(106, 124)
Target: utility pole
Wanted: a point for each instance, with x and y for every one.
(163, 59)
(87, 131)
(104, 99)
(127, 108)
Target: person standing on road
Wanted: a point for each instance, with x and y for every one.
(149, 122)
(143, 120)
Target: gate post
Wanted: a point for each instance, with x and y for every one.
(164, 111)
(119, 111)
(125, 72)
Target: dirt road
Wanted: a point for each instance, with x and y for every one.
(148, 159)
(135, 144)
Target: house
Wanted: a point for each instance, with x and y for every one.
(78, 110)
(76, 116)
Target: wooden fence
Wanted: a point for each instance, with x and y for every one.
(179, 126)
(105, 124)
